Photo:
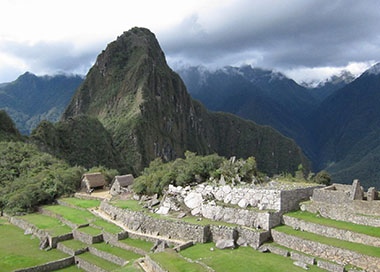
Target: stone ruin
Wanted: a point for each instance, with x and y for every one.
(250, 205)
(350, 203)
(342, 193)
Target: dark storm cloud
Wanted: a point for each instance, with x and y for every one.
(280, 33)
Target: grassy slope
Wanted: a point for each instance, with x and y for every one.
(241, 259)
(50, 224)
(19, 251)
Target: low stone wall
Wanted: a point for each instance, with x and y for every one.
(331, 196)
(128, 247)
(87, 238)
(331, 232)
(183, 246)
(290, 199)
(151, 265)
(338, 255)
(354, 211)
(108, 237)
(254, 238)
(51, 266)
(146, 224)
(70, 251)
(107, 256)
(41, 234)
(330, 266)
(223, 233)
(86, 266)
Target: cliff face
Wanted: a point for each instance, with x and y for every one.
(147, 110)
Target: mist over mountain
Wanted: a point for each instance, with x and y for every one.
(30, 99)
(336, 122)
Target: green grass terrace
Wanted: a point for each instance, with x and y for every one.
(20, 251)
(317, 219)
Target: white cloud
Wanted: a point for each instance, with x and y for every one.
(67, 35)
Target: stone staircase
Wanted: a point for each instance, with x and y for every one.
(328, 247)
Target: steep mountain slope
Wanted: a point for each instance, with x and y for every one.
(347, 126)
(8, 130)
(30, 99)
(147, 110)
(263, 96)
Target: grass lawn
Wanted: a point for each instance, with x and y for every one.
(122, 253)
(20, 251)
(90, 230)
(74, 244)
(44, 222)
(73, 215)
(82, 203)
(172, 261)
(314, 218)
(138, 243)
(107, 226)
(241, 259)
(360, 248)
(106, 265)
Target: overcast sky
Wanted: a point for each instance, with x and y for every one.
(305, 39)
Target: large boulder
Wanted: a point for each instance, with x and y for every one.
(193, 200)
(225, 243)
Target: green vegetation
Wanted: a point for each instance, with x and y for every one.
(74, 244)
(240, 260)
(72, 268)
(106, 265)
(122, 253)
(171, 261)
(29, 178)
(138, 243)
(50, 224)
(314, 218)
(82, 203)
(90, 230)
(19, 251)
(8, 130)
(79, 141)
(360, 248)
(107, 226)
(180, 172)
(75, 216)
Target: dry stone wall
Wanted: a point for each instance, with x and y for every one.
(146, 224)
(331, 232)
(354, 211)
(41, 234)
(338, 255)
(107, 256)
(51, 266)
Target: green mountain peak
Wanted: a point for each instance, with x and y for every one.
(146, 108)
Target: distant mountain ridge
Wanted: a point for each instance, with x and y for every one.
(337, 123)
(146, 109)
(30, 98)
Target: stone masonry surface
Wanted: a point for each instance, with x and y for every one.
(338, 255)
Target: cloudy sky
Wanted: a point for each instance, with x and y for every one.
(305, 39)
